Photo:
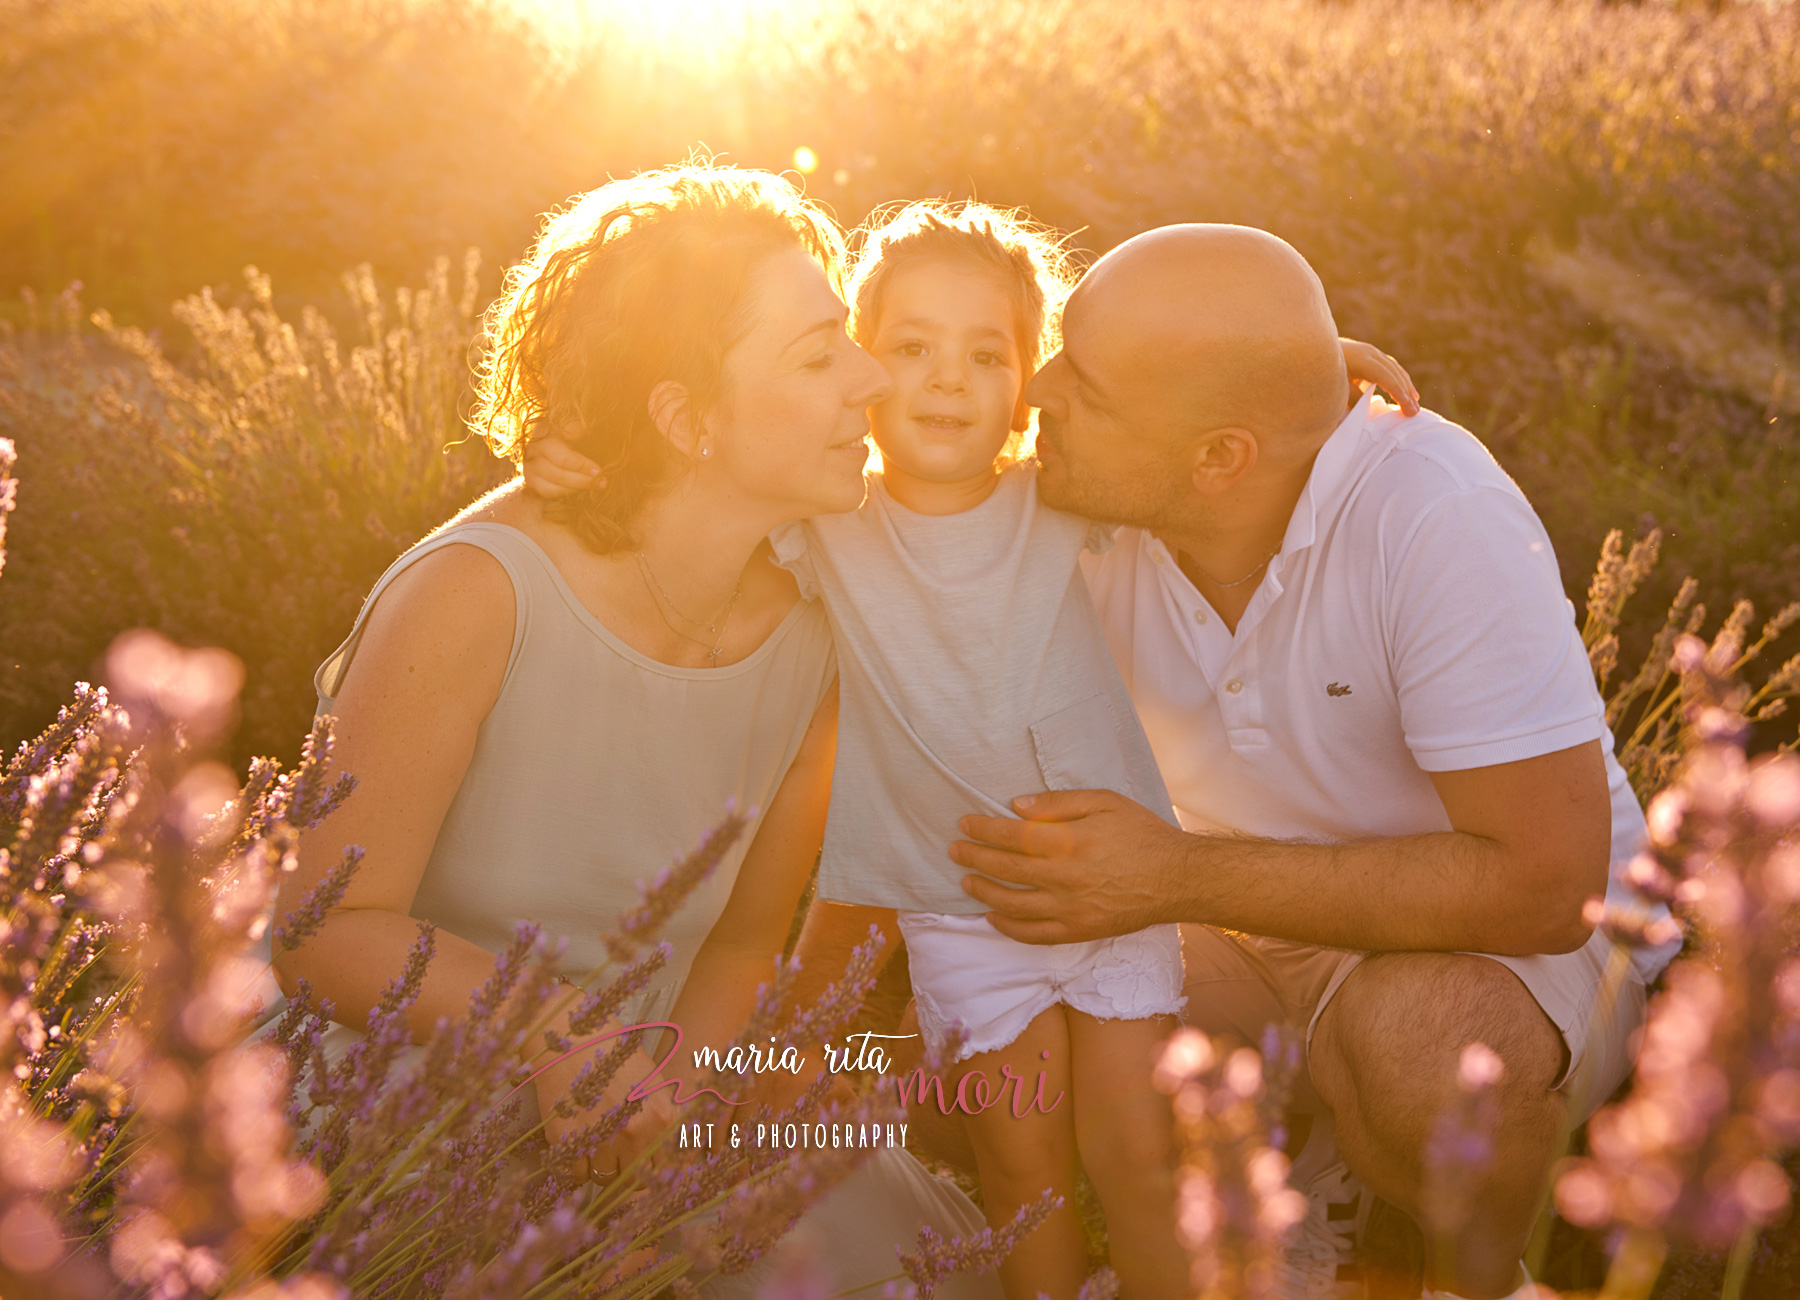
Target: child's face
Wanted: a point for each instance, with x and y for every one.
(947, 336)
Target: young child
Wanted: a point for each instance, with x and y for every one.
(973, 669)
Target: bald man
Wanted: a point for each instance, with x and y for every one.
(1348, 642)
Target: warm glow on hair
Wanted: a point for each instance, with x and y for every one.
(1031, 261)
(634, 283)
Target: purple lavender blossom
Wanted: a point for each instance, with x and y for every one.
(306, 918)
(1692, 1151)
(981, 1252)
(1233, 1204)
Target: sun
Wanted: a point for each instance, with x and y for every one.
(696, 22)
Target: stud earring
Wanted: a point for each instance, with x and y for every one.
(706, 451)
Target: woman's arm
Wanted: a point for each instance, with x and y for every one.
(427, 672)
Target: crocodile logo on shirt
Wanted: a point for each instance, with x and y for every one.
(1335, 690)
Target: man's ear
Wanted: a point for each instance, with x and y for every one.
(1222, 458)
(673, 414)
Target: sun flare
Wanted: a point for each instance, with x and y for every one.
(692, 22)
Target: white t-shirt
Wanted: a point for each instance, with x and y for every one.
(1413, 622)
(972, 670)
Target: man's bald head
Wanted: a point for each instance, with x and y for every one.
(1231, 327)
(1200, 373)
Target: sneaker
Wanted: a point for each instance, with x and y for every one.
(1318, 1258)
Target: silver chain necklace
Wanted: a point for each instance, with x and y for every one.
(717, 628)
(1226, 586)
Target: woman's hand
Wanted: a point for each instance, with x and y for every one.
(1365, 362)
(639, 1133)
(555, 469)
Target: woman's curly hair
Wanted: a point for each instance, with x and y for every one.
(1032, 262)
(637, 282)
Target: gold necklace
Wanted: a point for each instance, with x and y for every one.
(659, 598)
(1226, 586)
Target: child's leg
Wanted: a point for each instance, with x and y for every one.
(1020, 1157)
(1126, 1134)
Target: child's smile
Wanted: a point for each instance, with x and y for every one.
(948, 338)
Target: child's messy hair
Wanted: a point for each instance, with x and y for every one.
(639, 281)
(1032, 262)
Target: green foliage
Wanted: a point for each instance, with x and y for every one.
(247, 499)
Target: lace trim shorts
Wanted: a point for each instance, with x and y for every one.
(964, 970)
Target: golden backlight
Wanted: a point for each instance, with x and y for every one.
(702, 23)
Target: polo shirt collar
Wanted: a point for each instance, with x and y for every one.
(1330, 481)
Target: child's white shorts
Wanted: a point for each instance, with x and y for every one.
(965, 970)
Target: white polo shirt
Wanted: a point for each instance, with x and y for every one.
(1413, 622)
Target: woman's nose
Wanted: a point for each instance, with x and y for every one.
(873, 385)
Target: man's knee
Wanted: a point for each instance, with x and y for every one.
(1397, 1028)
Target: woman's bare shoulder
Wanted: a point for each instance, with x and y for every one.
(509, 503)
(452, 610)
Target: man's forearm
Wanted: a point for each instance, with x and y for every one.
(1445, 891)
(1531, 845)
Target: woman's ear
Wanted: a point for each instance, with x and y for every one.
(673, 414)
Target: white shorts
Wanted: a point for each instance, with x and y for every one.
(964, 970)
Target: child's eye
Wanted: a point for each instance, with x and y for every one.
(821, 362)
(988, 359)
(912, 349)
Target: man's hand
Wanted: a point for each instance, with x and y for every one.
(1530, 842)
(1100, 865)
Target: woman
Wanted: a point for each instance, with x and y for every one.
(543, 703)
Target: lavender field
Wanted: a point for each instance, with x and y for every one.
(1575, 223)
(245, 247)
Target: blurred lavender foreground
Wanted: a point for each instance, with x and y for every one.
(147, 1150)
(1692, 1154)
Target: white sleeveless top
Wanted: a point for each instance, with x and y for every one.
(598, 766)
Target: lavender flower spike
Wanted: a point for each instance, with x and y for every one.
(663, 895)
(301, 923)
(938, 1259)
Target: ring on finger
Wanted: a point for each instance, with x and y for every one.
(599, 1179)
